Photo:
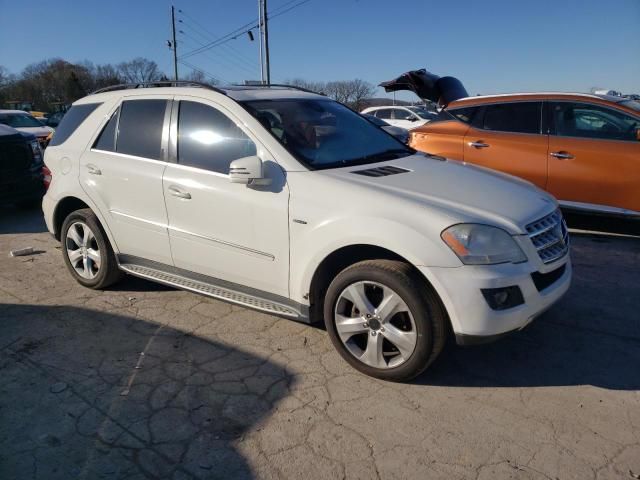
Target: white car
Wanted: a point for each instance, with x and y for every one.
(287, 202)
(25, 122)
(403, 117)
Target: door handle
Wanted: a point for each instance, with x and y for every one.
(93, 170)
(478, 144)
(176, 192)
(561, 155)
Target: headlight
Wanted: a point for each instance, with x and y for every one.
(482, 245)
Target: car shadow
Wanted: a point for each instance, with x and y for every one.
(87, 394)
(21, 220)
(591, 337)
(602, 223)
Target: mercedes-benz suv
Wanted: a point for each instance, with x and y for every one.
(285, 201)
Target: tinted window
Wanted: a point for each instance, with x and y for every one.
(208, 139)
(385, 113)
(19, 120)
(140, 128)
(464, 114)
(107, 139)
(592, 121)
(520, 117)
(71, 121)
(400, 114)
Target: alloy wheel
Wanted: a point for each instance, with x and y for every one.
(83, 250)
(375, 324)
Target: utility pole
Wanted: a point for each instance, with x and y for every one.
(265, 68)
(175, 45)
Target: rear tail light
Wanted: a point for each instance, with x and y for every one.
(46, 177)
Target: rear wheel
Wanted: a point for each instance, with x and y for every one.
(384, 319)
(87, 252)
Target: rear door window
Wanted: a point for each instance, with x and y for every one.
(517, 117)
(384, 113)
(592, 121)
(71, 121)
(208, 139)
(107, 139)
(140, 128)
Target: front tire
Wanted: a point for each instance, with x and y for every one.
(384, 319)
(87, 252)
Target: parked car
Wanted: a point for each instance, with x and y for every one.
(403, 117)
(21, 176)
(400, 133)
(582, 148)
(287, 202)
(23, 121)
(53, 120)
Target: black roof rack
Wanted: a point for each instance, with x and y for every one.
(162, 83)
(283, 85)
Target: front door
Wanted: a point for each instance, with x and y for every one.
(122, 174)
(507, 137)
(229, 231)
(594, 156)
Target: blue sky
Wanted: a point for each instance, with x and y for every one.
(491, 45)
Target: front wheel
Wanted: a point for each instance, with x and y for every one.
(384, 319)
(87, 252)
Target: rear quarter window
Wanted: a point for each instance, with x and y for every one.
(71, 121)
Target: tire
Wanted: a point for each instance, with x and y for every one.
(420, 319)
(89, 258)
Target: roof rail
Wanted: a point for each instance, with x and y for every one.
(284, 85)
(162, 83)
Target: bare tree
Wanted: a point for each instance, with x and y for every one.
(139, 70)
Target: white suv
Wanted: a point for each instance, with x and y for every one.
(287, 202)
(407, 118)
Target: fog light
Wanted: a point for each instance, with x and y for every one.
(503, 298)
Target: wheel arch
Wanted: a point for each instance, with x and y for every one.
(343, 257)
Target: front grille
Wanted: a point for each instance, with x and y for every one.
(550, 237)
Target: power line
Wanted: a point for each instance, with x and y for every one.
(228, 60)
(244, 29)
(204, 72)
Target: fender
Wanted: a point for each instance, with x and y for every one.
(315, 243)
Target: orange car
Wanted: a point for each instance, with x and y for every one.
(583, 149)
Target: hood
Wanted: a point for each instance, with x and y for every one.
(461, 191)
(9, 134)
(428, 86)
(37, 131)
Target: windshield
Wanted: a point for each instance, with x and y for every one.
(325, 134)
(423, 112)
(19, 120)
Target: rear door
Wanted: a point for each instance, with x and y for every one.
(404, 119)
(508, 137)
(594, 156)
(122, 173)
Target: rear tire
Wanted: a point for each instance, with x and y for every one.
(87, 252)
(384, 319)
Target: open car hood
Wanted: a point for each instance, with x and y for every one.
(428, 86)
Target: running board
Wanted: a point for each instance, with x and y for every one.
(215, 291)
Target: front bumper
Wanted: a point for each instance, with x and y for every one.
(472, 319)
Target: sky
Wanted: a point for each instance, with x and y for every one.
(493, 46)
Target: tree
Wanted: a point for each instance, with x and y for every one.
(139, 70)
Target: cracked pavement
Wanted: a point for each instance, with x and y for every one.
(143, 381)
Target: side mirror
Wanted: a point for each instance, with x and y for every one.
(412, 119)
(248, 170)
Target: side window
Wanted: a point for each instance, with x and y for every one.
(107, 139)
(140, 128)
(384, 113)
(71, 121)
(592, 121)
(400, 114)
(208, 139)
(465, 115)
(518, 117)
